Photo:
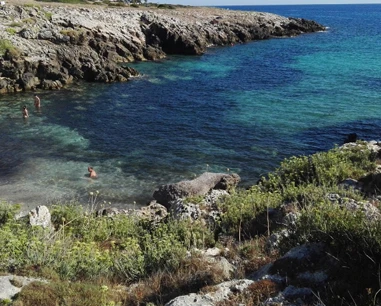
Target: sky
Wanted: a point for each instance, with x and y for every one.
(262, 2)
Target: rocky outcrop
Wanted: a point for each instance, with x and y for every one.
(50, 46)
(153, 213)
(200, 186)
(11, 285)
(40, 216)
(219, 293)
(292, 277)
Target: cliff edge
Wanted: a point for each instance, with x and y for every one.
(50, 46)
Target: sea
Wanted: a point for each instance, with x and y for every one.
(237, 109)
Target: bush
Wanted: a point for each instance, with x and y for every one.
(66, 293)
(325, 168)
(8, 211)
(16, 24)
(166, 6)
(8, 49)
(242, 209)
(48, 15)
(32, 5)
(352, 241)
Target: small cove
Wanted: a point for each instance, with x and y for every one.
(242, 108)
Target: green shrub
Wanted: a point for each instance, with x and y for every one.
(6, 47)
(241, 209)
(70, 32)
(16, 24)
(166, 6)
(30, 20)
(162, 248)
(118, 4)
(324, 168)
(354, 244)
(48, 15)
(11, 31)
(67, 293)
(14, 237)
(339, 227)
(32, 5)
(8, 211)
(128, 264)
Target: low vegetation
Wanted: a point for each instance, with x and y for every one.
(11, 31)
(65, 1)
(90, 260)
(8, 50)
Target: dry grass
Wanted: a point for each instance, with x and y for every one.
(194, 274)
(69, 294)
(250, 255)
(254, 294)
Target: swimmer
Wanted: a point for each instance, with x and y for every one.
(25, 113)
(92, 173)
(37, 101)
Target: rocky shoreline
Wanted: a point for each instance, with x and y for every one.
(298, 277)
(50, 46)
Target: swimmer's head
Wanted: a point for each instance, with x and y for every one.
(24, 107)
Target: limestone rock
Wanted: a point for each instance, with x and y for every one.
(219, 293)
(200, 186)
(10, 285)
(40, 216)
(154, 212)
(181, 210)
(371, 212)
(89, 43)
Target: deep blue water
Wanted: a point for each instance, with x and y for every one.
(240, 109)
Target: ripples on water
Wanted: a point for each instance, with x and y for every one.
(244, 108)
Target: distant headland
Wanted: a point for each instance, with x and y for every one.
(47, 46)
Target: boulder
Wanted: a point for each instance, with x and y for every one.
(153, 213)
(40, 216)
(217, 294)
(181, 210)
(200, 186)
(29, 81)
(11, 285)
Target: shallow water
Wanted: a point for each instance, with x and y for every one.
(242, 108)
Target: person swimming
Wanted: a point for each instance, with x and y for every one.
(92, 173)
(37, 101)
(25, 113)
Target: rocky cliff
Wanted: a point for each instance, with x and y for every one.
(50, 46)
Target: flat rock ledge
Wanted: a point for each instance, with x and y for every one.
(48, 47)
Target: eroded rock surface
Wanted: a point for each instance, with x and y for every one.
(200, 186)
(50, 46)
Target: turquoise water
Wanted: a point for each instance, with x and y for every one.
(240, 109)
